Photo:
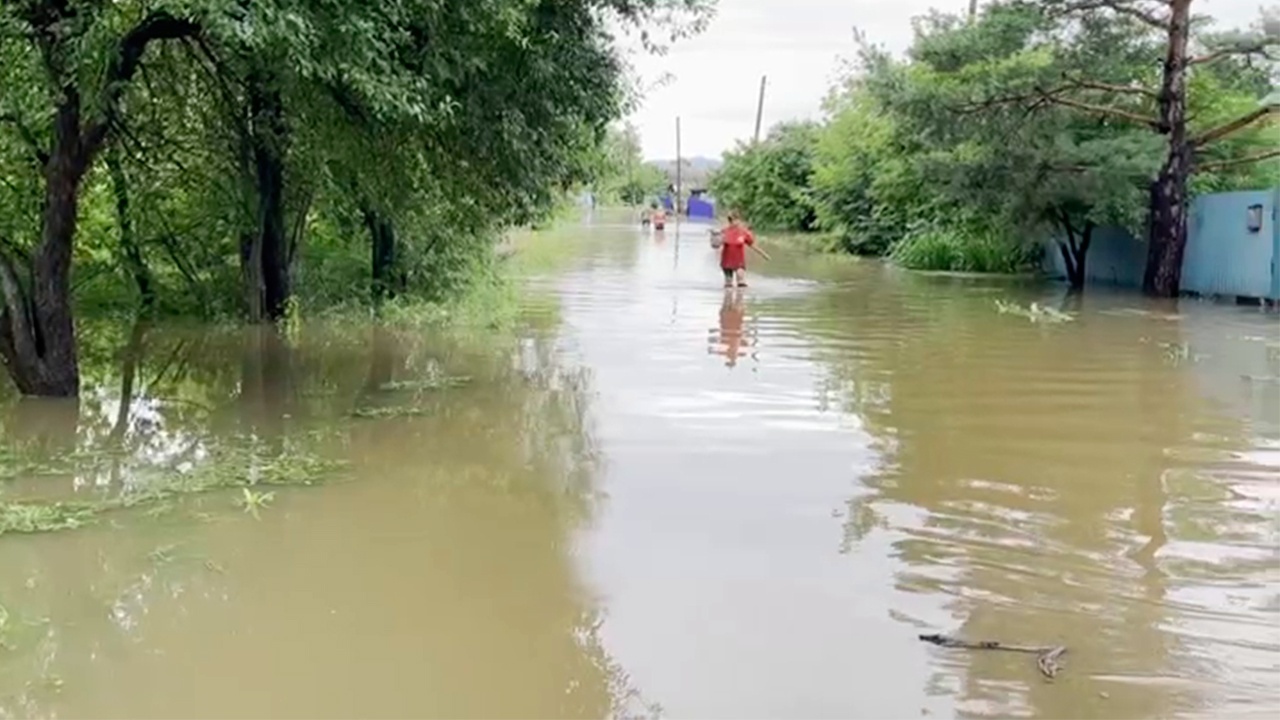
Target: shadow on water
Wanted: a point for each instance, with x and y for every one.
(433, 578)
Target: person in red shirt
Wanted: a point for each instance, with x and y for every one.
(735, 239)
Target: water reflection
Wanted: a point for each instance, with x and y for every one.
(902, 459)
(1034, 485)
(435, 580)
(730, 338)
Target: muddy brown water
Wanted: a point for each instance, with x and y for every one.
(658, 499)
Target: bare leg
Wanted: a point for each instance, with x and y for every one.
(741, 276)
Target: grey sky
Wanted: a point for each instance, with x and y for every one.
(797, 43)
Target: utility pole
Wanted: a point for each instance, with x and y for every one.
(973, 9)
(679, 169)
(760, 105)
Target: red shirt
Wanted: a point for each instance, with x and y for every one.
(733, 253)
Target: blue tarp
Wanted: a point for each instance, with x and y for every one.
(702, 207)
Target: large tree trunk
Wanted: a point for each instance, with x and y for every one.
(383, 260)
(1075, 253)
(130, 252)
(265, 257)
(37, 333)
(1167, 231)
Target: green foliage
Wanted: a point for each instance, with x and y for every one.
(918, 151)
(309, 131)
(620, 173)
(770, 182)
(960, 249)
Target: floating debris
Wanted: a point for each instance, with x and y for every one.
(431, 383)
(1047, 656)
(394, 411)
(1034, 312)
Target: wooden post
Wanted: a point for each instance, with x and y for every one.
(760, 106)
(973, 9)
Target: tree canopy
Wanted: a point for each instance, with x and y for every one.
(213, 154)
(1031, 120)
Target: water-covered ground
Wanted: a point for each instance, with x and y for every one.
(660, 498)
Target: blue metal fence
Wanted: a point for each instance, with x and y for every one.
(1233, 248)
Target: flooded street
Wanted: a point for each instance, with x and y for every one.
(661, 499)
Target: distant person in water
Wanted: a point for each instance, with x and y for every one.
(658, 216)
(735, 238)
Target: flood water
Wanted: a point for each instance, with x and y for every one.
(659, 499)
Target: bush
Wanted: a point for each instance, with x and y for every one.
(957, 249)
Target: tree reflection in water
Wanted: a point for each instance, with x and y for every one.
(487, 483)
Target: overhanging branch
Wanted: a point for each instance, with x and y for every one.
(1081, 83)
(157, 26)
(1122, 7)
(1041, 96)
(1261, 47)
(1245, 160)
(1235, 125)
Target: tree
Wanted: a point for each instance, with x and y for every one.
(53, 50)
(487, 110)
(620, 172)
(1161, 105)
(1055, 172)
(770, 180)
(1042, 115)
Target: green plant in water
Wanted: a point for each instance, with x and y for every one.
(228, 468)
(31, 517)
(252, 501)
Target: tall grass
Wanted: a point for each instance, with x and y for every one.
(959, 249)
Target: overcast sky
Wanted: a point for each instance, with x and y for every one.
(798, 44)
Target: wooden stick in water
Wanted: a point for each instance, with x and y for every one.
(1046, 655)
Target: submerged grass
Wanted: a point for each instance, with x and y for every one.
(242, 468)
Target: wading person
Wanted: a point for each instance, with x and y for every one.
(735, 238)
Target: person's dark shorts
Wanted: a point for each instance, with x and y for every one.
(659, 226)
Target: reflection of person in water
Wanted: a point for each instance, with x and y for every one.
(730, 337)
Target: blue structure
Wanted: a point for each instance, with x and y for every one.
(701, 207)
(1233, 249)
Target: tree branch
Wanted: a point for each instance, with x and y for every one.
(27, 136)
(1042, 96)
(1110, 87)
(157, 26)
(1122, 7)
(1256, 157)
(1107, 110)
(1235, 125)
(1260, 46)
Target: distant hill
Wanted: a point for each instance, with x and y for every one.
(695, 173)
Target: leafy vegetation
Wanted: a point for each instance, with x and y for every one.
(1039, 120)
(621, 175)
(228, 158)
(772, 178)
